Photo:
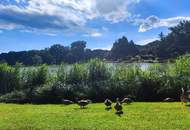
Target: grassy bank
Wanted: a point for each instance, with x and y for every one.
(137, 116)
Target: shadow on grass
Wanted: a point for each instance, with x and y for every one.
(63, 105)
(127, 104)
(108, 108)
(187, 105)
(119, 113)
(80, 108)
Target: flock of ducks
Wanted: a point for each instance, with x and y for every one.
(108, 103)
(118, 106)
(81, 103)
(185, 97)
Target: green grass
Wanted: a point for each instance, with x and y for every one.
(137, 116)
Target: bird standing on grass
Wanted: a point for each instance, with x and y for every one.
(184, 96)
(83, 103)
(108, 104)
(118, 107)
(67, 102)
(127, 100)
(168, 100)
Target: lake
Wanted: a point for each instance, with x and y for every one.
(54, 68)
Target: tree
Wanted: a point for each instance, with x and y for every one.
(161, 35)
(37, 60)
(59, 53)
(122, 48)
(132, 42)
(77, 51)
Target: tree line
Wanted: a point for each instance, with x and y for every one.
(95, 80)
(56, 54)
(176, 43)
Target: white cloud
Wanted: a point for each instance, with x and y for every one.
(60, 15)
(107, 47)
(146, 41)
(114, 10)
(96, 34)
(104, 48)
(154, 22)
(93, 34)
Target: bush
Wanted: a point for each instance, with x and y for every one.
(98, 71)
(95, 80)
(61, 73)
(76, 75)
(9, 78)
(34, 78)
(182, 71)
(14, 97)
(49, 93)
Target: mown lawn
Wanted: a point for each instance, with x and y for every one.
(137, 116)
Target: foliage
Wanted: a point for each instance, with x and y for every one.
(97, 71)
(96, 80)
(122, 48)
(9, 78)
(77, 74)
(49, 93)
(14, 97)
(32, 79)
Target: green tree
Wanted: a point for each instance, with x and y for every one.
(122, 48)
(77, 51)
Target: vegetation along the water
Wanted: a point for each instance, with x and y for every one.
(94, 80)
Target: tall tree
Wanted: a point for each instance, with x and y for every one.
(77, 51)
(59, 52)
(122, 48)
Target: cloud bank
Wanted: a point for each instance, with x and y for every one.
(61, 15)
(72, 16)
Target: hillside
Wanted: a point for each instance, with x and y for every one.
(176, 43)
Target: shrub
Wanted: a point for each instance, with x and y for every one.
(77, 74)
(9, 78)
(61, 73)
(95, 80)
(48, 93)
(34, 78)
(14, 97)
(98, 71)
(182, 70)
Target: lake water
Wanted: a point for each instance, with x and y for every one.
(54, 68)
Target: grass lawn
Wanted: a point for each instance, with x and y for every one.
(137, 116)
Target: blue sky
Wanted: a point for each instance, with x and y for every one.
(36, 24)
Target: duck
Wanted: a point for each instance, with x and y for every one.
(118, 107)
(83, 103)
(108, 103)
(127, 100)
(184, 96)
(168, 100)
(67, 102)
